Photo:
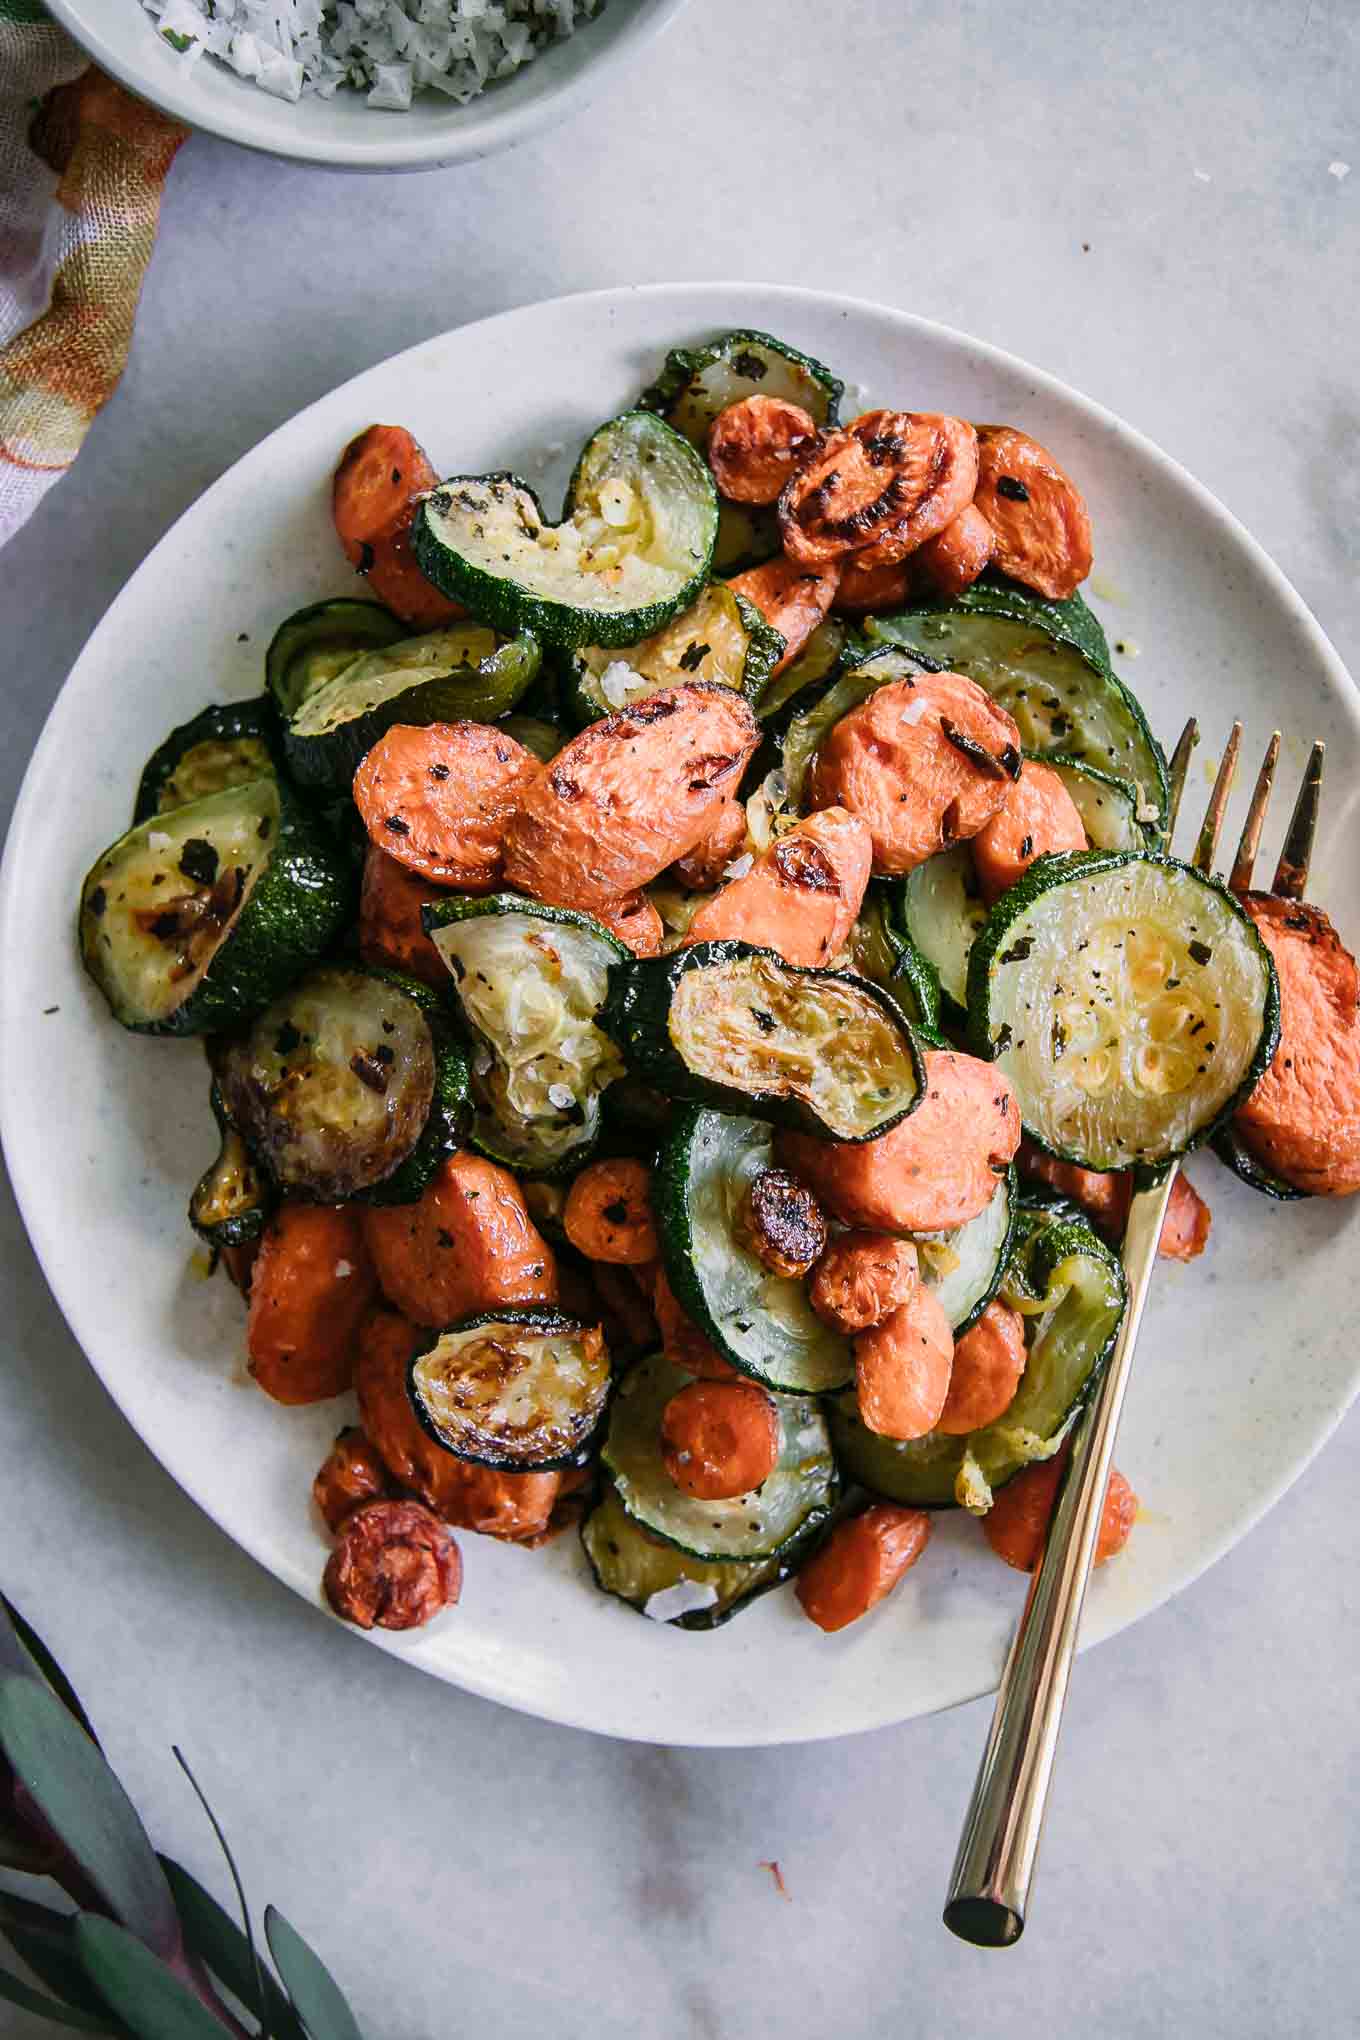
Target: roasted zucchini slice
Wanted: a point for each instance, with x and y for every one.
(530, 980)
(632, 550)
(881, 949)
(521, 1389)
(232, 1198)
(464, 673)
(748, 536)
(721, 638)
(1234, 1153)
(1070, 1289)
(815, 667)
(349, 1084)
(726, 1024)
(967, 1265)
(697, 382)
(664, 1583)
(782, 1512)
(226, 744)
(761, 1322)
(195, 919)
(1112, 814)
(1048, 664)
(314, 644)
(942, 912)
(1129, 1000)
(536, 734)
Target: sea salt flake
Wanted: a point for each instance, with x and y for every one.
(684, 1598)
(1338, 170)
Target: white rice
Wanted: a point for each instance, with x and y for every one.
(388, 49)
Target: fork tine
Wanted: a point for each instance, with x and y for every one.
(1180, 765)
(1291, 874)
(1245, 861)
(1207, 847)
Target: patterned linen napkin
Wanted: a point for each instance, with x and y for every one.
(81, 168)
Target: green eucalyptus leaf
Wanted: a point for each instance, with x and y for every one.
(257, 1973)
(45, 1941)
(315, 1994)
(147, 1995)
(213, 1936)
(87, 1809)
(13, 1992)
(14, 1631)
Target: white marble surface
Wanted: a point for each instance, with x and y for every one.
(1143, 206)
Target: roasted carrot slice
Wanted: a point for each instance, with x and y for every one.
(390, 929)
(988, 1362)
(394, 1566)
(935, 1169)
(377, 487)
(801, 895)
(924, 762)
(719, 1439)
(633, 919)
(1104, 1195)
(902, 1368)
(351, 1473)
(755, 445)
(1043, 534)
(703, 867)
(794, 599)
(1038, 818)
(1017, 1522)
(952, 561)
(1303, 1118)
(862, 1278)
(861, 1562)
(864, 589)
(880, 489)
(438, 798)
(466, 1245)
(312, 1283)
(608, 1215)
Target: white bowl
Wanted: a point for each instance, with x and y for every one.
(345, 133)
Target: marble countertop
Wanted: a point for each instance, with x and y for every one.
(1147, 204)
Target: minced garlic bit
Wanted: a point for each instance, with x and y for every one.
(344, 1269)
(560, 1096)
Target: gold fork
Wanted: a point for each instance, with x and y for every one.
(994, 1868)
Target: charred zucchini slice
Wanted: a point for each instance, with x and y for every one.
(314, 644)
(530, 980)
(881, 949)
(1129, 1000)
(1234, 1153)
(761, 1322)
(463, 673)
(346, 1084)
(1112, 814)
(726, 1024)
(1048, 664)
(226, 744)
(1070, 1289)
(721, 638)
(967, 1265)
(697, 382)
(943, 912)
(197, 918)
(664, 1583)
(233, 1198)
(815, 667)
(521, 1389)
(632, 550)
(784, 1510)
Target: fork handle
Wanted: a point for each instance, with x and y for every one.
(989, 1889)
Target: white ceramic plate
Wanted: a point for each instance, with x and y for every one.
(1246, 1359)
(345, 132)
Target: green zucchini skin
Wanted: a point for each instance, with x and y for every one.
(882, 949)
(630, 1567)
(513, 606)
(636, 1015)
(1108, 805)
(300, 902)
(832, 647)
(925, 631)
(763, 650)
(529, 1320)
(330, 758)
(1008, 1190)
(314, 644)
(989, 952)
(749, 363)
(247, 736)
(734, 1311)
(1234, 1154)
(1065, 1363)
(233, 1197)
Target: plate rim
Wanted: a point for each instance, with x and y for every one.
(41, 1231)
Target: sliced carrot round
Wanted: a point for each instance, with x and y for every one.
(861, 1561)
(719, 1439)
(755, 445)
(953, 559)
(880, 489)
(437, 798)
(1043, 534)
